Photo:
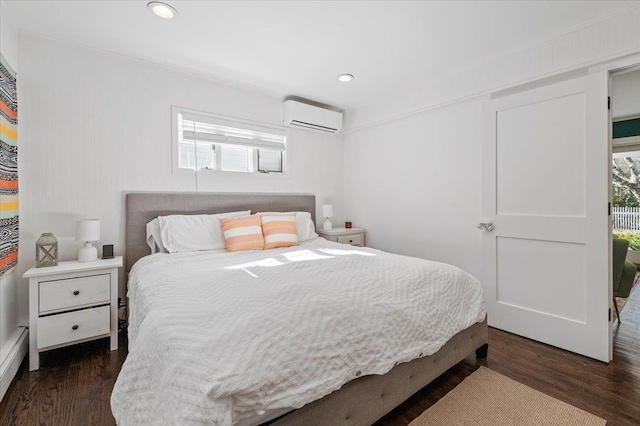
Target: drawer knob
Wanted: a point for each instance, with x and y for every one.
(350, 241)
(75, 293)
(75, 327)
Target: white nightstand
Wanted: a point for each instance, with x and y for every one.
(353, 236)
(71, 303)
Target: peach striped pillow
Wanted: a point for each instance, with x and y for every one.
(242, 233)
(279, 231)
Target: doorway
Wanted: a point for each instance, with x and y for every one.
(625, 165)
(546, 259)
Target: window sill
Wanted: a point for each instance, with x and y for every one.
(233, 174)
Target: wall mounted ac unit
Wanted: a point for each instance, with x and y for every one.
(311, 117)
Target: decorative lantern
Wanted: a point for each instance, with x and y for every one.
(46, 250)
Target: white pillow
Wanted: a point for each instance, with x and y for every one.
(304, 225)
(154, 239)
(182, 233)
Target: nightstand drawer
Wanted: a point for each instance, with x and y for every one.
(65, 328)
(354, 240)
(74, 292)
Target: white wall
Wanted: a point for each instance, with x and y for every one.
(625, 95)
(95, 126)
(415, 184)
(413, 163)
(8, 38)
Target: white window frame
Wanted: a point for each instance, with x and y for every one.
(230, 122)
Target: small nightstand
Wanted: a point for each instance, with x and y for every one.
(353, 236)
(71, 303)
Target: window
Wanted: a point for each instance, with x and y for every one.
(626, 185)
(209, 142)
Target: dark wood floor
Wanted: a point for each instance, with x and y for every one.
(74, 384)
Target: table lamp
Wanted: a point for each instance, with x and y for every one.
(327, 212)
(88, 230)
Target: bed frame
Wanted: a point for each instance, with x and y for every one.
(360, 402)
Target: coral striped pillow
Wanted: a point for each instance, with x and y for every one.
(279, 231)
(242, 233)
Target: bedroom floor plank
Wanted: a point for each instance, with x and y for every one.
(74, 384)
(610, 391)
(72, 387)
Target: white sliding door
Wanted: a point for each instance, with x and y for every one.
(546, 191)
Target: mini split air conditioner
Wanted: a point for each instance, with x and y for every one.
(309, 117)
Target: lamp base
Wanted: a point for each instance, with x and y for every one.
(327, 225)
(88, 253)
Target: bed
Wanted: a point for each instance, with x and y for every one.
(352, 370)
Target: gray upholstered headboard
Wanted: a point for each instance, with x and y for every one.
(142, 207)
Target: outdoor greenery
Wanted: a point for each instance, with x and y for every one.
(626, 181)
(626, 192)
(632, 237)
(623, 197)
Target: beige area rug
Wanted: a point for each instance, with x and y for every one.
(489, 398)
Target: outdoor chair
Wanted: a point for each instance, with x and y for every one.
(624, 272)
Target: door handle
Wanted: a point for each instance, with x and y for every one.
(485, 226)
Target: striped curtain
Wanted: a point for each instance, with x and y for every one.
(8, 168)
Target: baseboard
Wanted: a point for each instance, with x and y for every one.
(12, 362)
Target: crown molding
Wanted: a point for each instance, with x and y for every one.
(570, 51)
(184, 70)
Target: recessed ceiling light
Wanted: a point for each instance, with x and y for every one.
(162, 10)
(345, 78)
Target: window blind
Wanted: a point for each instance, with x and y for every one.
(195, 128)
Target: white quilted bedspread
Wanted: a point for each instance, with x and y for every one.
(217, 338)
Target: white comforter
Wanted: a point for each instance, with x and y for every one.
(215, 338)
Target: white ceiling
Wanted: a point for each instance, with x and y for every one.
(298, 48)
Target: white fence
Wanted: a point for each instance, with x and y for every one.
(626, 218)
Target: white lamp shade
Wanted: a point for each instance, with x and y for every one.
(88, 230)
(327, 210)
